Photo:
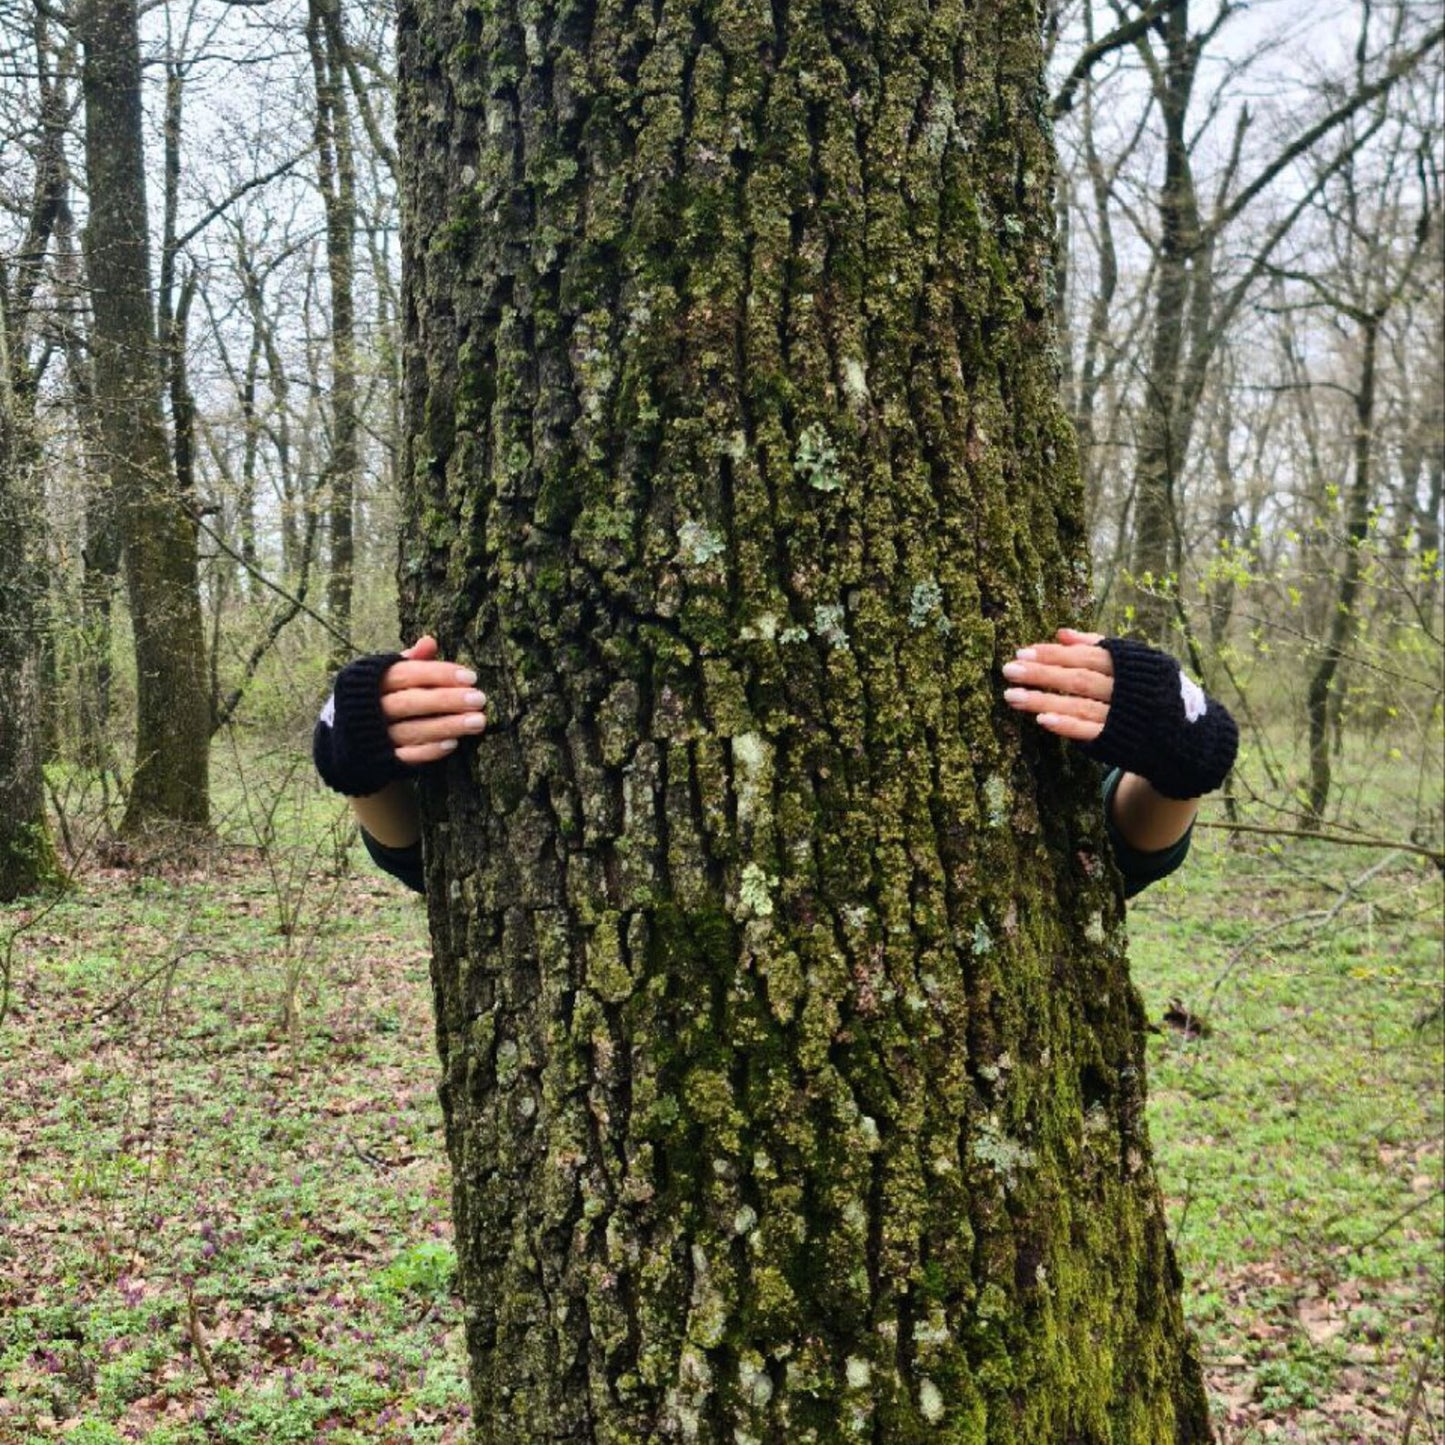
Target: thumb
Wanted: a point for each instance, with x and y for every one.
(422, 650)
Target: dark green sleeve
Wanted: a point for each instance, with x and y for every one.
(1139, 869)
(402, 863)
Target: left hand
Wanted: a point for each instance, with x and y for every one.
(1067, 684)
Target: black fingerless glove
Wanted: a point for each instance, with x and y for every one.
(350, 747)
(1162, 726)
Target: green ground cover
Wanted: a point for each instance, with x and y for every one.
(223, 1201)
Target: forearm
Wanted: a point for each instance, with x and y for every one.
(390, 816)
(1147, 820)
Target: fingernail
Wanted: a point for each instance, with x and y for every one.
(475, 699)
(1014, 669)
(1013, 694)
(1045, 718)
(465, 677)
(1026, 654)
(448, 745)
(474, 721)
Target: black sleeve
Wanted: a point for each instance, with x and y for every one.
(402, 863)
(1139, 869)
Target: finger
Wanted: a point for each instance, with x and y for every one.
(422, 650)
(1026, 700)
(1073, 681)
(427, 752)
(402, 675)
(1083, 656)
(430, 702)
(436, 729)
(1077, 729)
(1070, 637)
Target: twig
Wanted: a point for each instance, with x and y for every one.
(169, 965)
(1318, 918)
(198, 1339)
(1400, 1218)
(1358, 840)
(250, 567)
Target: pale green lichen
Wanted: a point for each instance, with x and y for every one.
(507, 1056)
(933, 1331)
(859, 1372)
(1003, 1155)
(982, 939)
(752, 775)
(754, 1381)
(755, 897)
(734, 445)
(925, 603)
(930, 1401)
(698, 544)
(816, 460)
(995, 797)
(793, 634)
(828, 624)
(707, 1319)
(855, 381)
(939, 122)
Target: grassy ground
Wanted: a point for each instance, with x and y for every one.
(223, 1203)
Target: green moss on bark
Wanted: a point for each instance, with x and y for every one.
(792, 1073)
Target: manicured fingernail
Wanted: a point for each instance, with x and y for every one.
(448, 745)
(1014, 670)
(1013, 694)
(475, 721)
(1026, 654)
(475, 699)
(465, 677)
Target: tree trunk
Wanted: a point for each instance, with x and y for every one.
(27, 857)
(1324, 695)
(170, 784)
(1161, 448)
(792, 1075)
(336, 174)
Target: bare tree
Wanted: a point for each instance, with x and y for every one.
(170, 781)
(1377, 208)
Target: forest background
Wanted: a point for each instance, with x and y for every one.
(223, 1214)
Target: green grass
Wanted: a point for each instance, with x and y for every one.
(216, 1095)
(1299, 1141)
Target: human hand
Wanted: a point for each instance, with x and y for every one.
(392, 711)
(429, 704)
(1129, 705)
(1067, 685)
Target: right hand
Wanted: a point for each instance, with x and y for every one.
(429, 704)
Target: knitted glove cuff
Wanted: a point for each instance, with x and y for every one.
(349, 746)
(1162, 726)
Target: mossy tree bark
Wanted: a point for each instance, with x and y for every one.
(792, 1075)
(170, 782)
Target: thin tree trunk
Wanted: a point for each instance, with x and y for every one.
(336, 174)
(100, 552)
(792, 1076)
(27, 856)
(1160, 454)
(169, 785)
(1324, 694)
